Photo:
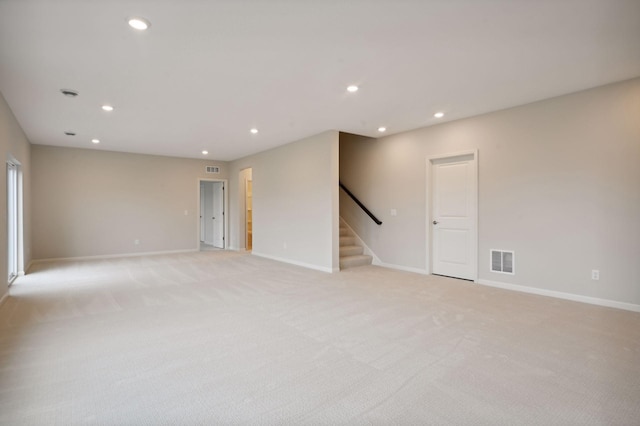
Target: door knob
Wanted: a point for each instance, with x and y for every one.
(435, 222)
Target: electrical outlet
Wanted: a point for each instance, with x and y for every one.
(136, 242)
(595, 274)
(284, 246)
(394, 212)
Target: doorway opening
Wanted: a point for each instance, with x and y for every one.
(249, 206)
(14, 221)
(245, 234)
(212, 207)
(452, 215)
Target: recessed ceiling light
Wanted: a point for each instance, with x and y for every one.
(205, 152)
(140, 24)
(254, 131)
(70, 93)
(353, 88)
(382, 129)
(107, 107)
(438, 114)
(95, 140)
(68, 133)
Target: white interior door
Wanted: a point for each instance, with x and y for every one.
(454, 216)
(208, 213)
(218, 214)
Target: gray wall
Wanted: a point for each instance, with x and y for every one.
(92, 203)
(13, 144)
(295, 202)
(559, 183)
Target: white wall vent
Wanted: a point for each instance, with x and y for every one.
(213, 169)
(502, 261)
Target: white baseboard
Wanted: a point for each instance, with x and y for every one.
(4, 298)
(111, 256)
(26, 270)
(560, 295)
(403, 268)
(239, 249)
(295, 262)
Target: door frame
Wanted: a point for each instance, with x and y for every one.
(13, 212)
(20, 266)
(225, 183)
(429, 212)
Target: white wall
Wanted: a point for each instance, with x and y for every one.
(13, 144)
(559, 183)
(295, 202)
(95, 203)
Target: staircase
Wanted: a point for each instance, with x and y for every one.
(351, 254)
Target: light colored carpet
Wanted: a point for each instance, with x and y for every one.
(228, 338)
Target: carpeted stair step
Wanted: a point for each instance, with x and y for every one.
(353, 261)
(351, 254)
(351, 250)
(347, 241)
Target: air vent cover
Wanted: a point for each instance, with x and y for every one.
(503, 261)
(213, 169)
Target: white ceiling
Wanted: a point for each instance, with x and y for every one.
(208, 71)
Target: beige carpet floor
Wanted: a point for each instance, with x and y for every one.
(228, 338)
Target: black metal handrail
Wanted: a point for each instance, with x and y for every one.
(362, 206)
